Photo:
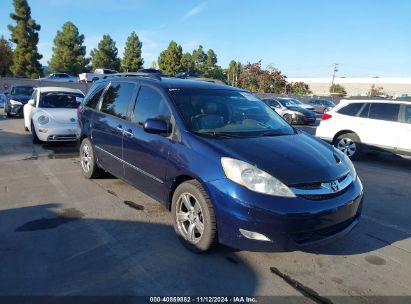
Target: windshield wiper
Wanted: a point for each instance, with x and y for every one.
(274, 134)
(219, 134)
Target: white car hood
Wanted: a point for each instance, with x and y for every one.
(66, 116)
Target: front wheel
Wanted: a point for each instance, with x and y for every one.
(193, 216)
(349, 144)
(88, 163)
(8, 115)
(288, 118)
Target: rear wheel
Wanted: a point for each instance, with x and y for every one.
(8, 114)
(194, 218)
(89, 166)
(349, 144)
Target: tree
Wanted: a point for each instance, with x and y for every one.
(256, 79)
(199, 58)
(337, 89)
(169, 60)
(105, 55)
(25, 36)
(187, 63)
(210, 68)
(233, 72)
(376, 91)
(298, 88)
(6, 55)
(132, 60)
(68, 51)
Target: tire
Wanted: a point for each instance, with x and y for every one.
(8, 115)
(36, 139)
(199, 218)
(89, 167)
(349, 144)
(288, 118)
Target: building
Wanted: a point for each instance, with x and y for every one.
(392, 86)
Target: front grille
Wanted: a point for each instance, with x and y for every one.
(69, 137)
(318, 197)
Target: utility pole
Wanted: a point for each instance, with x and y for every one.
(335, 70)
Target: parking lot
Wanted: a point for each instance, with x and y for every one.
(61, 234)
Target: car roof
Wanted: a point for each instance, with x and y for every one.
(58, 89)
(347, 101)
(176, 83)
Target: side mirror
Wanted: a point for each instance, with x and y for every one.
(157, 126)
(32, 102)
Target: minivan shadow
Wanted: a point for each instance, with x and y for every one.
(47, 250)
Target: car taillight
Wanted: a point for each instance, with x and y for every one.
(78, 110)
(326, 116)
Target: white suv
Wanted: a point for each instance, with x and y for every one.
(356, 125)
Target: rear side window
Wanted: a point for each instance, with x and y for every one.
(150, 104)
(351, 109)
(93, 97)
(116, 100)
(407, 113)
(384, 111)
(364, 112)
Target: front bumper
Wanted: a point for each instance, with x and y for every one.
(289, 223)
(16, 110)
(61, 133)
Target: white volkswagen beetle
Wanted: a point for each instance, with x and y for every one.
(50, 115)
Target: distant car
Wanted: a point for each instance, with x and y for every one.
(97, 75)
(51, 114)
(18, 96)
(379, 125)
(296, 102)
(290, 112)
(321, 105)
(60, 77)
(3, 99)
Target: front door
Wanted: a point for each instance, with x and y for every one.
(146, 155)
(404, 143)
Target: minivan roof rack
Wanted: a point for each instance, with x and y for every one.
(155, 76)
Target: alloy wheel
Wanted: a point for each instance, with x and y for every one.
(347, 146)
(190, 220)
(85, 158)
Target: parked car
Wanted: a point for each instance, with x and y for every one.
(16, 99)
(296, 102)
(290, 112)
(357, 125)
(60, 77)
(97, 75)
(228, 168)
(51, 114)
(321, 105)
(3, 99)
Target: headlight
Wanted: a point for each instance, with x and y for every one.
(43, 119)
(253, 178)
(15, 102)
(348, 162)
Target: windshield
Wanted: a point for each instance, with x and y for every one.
(327, 103)
(27, 91)
(290, 102)
(235, 113)
(60, 100)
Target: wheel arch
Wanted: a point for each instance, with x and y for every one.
(343, 132)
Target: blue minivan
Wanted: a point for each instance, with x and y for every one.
(230, 169)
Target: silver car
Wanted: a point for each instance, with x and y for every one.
(292, 113)
(60, 77)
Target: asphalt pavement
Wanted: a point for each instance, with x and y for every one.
(61, 234)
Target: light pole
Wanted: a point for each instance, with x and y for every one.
(335, 70)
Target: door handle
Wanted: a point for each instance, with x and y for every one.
(128, 133)
(120, 128)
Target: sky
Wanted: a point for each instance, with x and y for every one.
(302, 38)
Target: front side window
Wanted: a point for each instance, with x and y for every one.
(150, 104)
(116, 99)
(351, 109)
(230, 112)
(384, 111)
(60, 100)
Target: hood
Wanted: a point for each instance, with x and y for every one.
(302, 110)
(293, 159)
(307, 106)
(21, 98)
(59, 115)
